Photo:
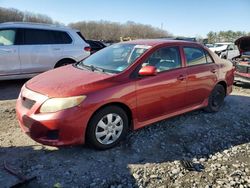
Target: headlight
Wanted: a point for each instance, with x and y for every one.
(56, 104)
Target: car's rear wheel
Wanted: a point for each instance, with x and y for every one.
(107, 127)
(216, 99)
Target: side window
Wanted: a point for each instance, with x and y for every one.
(194, 56)
(208, 57)
(166, 58)
(230, 47)
(94, 45)
(7, 37)
(37, 36)
(61, 37)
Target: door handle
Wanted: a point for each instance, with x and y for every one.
(213, 70)
(181, 77)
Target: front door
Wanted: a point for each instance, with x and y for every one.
(163, 93)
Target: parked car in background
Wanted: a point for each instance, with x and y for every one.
(242, 62)
(225, 50)
(95, 45)
(209, 45)
(27, 49)
(124, 86)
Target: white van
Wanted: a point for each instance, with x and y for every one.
(27, 49)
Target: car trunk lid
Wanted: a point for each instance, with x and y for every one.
(243, 44)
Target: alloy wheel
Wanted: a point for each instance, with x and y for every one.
(109, 128)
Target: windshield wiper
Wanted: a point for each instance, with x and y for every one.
(97, 68)
(91, 67)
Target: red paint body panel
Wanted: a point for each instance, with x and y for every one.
(149, 98)
(52, 83)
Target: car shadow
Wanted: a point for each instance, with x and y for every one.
(10, 89)
(193, 135)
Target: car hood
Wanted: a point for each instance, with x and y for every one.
(243, 43)
(68, 81)
(218, 49)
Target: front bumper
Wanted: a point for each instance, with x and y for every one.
(66, 127)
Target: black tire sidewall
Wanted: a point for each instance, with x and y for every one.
(63, 62)
(90, 134)
(210, 107)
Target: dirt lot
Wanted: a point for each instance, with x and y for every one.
(217, 144)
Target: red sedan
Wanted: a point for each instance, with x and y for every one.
(125, 86)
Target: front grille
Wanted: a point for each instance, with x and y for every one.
(242, 69)
(28, 103)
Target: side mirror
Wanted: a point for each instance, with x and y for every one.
(148, 71)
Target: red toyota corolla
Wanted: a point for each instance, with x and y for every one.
(125, 86)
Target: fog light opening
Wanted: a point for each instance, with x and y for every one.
(53, 134)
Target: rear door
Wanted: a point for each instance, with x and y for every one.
(201, 74)
(164, 93)
(9, 59)
(39, 52)
(232, 51)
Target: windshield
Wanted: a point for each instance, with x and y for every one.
(115, 58)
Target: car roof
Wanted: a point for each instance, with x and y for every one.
(33, 25)
(155, 42)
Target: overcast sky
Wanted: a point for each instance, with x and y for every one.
(180, 17)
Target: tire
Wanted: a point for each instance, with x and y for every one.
(64, 62)
(103, 132)
(216, 99)
(223, 56)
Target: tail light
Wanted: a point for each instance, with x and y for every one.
(87, 48)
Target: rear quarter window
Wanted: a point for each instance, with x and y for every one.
(61, 37)
(208, 57)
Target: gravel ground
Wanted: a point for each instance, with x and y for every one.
(217, 146)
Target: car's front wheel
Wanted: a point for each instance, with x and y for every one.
(107, 127)
(216, 99)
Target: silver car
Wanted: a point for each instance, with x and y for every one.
(225, 50)
(27, 49)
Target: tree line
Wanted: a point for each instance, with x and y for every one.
(14, 15)
(112, 31)
(100, 30)
(225, 36)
